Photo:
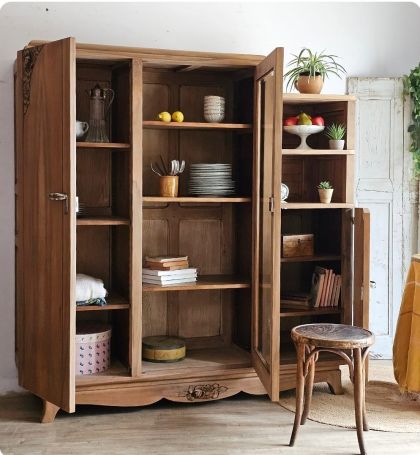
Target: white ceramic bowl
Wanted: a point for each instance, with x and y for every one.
(303, 131)
(214, 118)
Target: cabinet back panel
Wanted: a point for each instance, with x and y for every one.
(324, 224)
(303, 174)
(94, 253)
(93, 181)
(335, 112)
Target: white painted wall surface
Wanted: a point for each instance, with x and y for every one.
(373, 39)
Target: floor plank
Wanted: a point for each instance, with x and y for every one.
(241, 425)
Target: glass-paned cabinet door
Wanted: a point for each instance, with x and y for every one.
(266, 293)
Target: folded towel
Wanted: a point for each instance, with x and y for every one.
(90, 302)
(88, 288)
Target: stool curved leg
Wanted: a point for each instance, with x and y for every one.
(365, 422)
(309, 384)
(358, 397)
(300, 388)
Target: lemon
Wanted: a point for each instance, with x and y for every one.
(164, 117)
(178, 116)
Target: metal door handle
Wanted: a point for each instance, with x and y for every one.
(60, 197)
(372, 284)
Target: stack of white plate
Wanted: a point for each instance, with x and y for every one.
(211, 179)
(214, 109)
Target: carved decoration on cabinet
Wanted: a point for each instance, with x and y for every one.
(30, 55)
(204, 392)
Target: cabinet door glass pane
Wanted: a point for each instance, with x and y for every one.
(266, 91)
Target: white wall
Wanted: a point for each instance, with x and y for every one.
(373, 39)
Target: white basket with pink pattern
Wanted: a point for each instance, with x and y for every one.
(93, 347)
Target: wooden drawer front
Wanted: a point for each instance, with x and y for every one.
(297, 245)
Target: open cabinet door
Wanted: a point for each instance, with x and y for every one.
(46, 220)
(361, 267)
(266, 239)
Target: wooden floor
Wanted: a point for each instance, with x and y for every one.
(239, 425)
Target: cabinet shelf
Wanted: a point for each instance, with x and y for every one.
(203, 282)
(103, 145)
(113, 302)
(317, 152)
(315, 258)
(102, 221)
(198, 200)
(308, 98)
(155, 124)
(291, 312)
(315, 205)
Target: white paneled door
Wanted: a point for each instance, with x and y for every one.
(383, 173)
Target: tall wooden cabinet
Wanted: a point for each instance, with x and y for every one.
(237, 334)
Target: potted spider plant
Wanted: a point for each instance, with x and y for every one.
(325, 191)
(335, 133)
(308, 70)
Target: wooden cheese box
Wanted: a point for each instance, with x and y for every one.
(163, 349)
(297, 245)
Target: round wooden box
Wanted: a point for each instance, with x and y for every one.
(163, 349)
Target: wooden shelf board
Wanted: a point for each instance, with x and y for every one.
(316, 205)
(103, 145)
(102, 221)
(307, 98)
(195, 125)
(113, 302)
(203, 282)
(224, 358)
(315, 152)
(116, 372)
(290, 312)
(316, 258)
(197, 200)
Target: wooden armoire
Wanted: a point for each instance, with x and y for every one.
(236, 332)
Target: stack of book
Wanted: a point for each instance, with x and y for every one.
(325, 292)
(168, 270)
(326, 288)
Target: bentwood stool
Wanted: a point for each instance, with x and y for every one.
(310, 340)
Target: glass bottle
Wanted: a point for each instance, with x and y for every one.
(99, 105)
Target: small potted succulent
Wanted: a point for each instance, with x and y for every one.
(335, 133)
(309, 70)
(325, 191)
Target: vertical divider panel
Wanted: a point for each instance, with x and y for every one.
(346, 265)
(136, 216)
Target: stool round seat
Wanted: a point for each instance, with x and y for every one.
(338, 336)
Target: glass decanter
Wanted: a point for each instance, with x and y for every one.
(99, 105)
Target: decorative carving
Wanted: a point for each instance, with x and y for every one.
(203, 392)
(30, 55)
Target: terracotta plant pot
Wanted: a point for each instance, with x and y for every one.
(336, 144)
(325, 196)
(169, 186)
(309, 84)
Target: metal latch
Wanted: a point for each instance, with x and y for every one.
(271, 204)
(60, 197)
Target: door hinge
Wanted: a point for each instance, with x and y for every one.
(271, 204)
(352, 220)
(362, 292)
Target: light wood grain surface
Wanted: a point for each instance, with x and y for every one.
(240, 425)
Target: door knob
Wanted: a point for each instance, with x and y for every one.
(372, 284)
(60, 197)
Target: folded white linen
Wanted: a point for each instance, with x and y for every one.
(88, 287)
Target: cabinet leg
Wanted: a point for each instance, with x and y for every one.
(49, 412)
(334, 383)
